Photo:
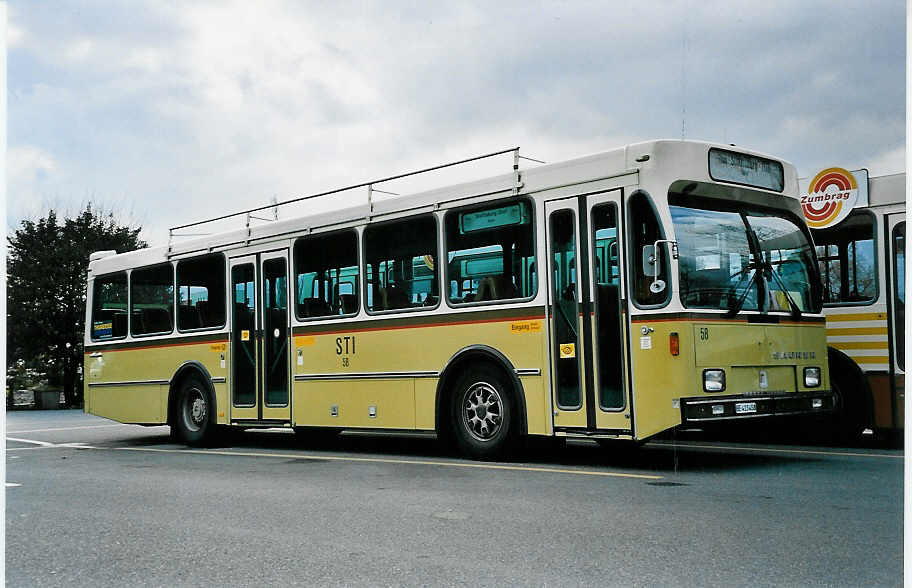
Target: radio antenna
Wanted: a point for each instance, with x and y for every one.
(684, 75)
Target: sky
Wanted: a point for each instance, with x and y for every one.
(169, 112)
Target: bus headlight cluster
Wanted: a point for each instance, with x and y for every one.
(811, 377)
(713, 380)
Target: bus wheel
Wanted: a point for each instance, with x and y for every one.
(483, 414)
(850, 419)
(194, 410)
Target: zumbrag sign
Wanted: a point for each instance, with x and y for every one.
(830, 196)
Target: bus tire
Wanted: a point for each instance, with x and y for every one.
(853, 413)
(483, 415)
(193, 414)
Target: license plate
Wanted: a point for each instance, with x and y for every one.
(745, 407)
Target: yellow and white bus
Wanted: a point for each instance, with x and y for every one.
(862, 266)
(679, 286)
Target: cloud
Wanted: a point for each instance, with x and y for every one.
(15, 37)
(28, 163)
(194, 109)
(890, 161)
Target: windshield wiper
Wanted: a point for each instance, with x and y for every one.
(796, 311)
(739, 302)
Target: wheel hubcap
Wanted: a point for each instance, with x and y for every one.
(482, 412)
(195, 410)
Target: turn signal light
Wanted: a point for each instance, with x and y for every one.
(673, 344)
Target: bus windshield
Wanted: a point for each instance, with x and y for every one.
(736, 258)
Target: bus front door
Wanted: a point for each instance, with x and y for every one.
(587, 322)
(260, 368)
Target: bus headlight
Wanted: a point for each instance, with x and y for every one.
(713, 380)
(811, 377)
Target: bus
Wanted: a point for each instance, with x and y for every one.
(862, 266)
(679, 286)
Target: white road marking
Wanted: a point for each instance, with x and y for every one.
(41, 444)
(424, 462)
(69, 428)
(578, 472)
(32, 441)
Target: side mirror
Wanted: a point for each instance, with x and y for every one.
(651, 264)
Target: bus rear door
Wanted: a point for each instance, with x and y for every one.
(260, 368)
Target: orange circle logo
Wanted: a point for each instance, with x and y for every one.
(830, 198)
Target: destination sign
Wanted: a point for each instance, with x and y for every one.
(749, 170)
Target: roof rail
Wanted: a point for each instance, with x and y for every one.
(369, 185)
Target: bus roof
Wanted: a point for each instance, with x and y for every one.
(621, 161)
(889, 189)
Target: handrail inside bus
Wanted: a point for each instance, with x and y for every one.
(369, 185)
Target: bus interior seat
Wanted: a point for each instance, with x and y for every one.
(188, 316)
(156, 320)
(485, 289)
(243, 316)
(316, 307)
(499, 287)
(348, 303)
(119, 324)
(393, 297)
(202, 307)
(504, 288)
(136, 320)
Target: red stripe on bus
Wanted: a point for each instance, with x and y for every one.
(210, 342)
(420, 326)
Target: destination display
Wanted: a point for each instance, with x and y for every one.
(749, 170)
(504, 216)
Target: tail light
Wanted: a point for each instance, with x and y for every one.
(674, 344)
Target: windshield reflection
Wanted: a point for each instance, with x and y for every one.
(743, 260)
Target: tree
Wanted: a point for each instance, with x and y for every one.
(46, 290)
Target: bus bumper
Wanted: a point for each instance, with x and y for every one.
(724, 408)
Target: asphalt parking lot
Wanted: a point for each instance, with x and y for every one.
(92, 502)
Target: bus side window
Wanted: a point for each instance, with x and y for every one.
(201, 292)
(845, 254)
(109, 307)
(490, 252)
(401, 264)
(645, 230)
(899, 289)
(326, 270)
(152, 300)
